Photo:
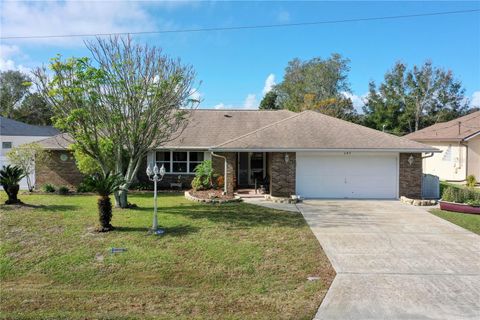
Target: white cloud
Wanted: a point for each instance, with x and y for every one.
(7, 52)
(71, 17)
(195, 94)
(475, 100)
(269, 83)
(357, 101)
(250, 103)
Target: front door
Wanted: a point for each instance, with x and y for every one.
(251, 167)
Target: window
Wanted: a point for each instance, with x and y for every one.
(179, 161)
(195, 159)
(163, 158)
(7, 145)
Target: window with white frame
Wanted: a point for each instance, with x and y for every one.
(6, 145)
(179, 161)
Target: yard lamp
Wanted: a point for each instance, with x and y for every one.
(155, 175)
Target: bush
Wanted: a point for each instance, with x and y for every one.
(204, 176)
(49, 188)
(84, 187)
(219, 182)
(63, 191)
(471, 181)
(460, 195)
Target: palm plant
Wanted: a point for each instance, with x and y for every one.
(105, 186)
(10, 177)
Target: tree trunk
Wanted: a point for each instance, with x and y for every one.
(12, 192)
(121, 199)
(104, 214)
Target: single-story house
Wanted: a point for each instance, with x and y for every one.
(307, 154)
(459, 142)
(15, 133)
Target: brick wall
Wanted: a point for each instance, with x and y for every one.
(58, 172)
(218, 165)
(282, 175)
(410, 181)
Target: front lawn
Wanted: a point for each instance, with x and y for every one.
(232, 261)
(468, 221)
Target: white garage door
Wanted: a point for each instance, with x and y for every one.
(347, 175)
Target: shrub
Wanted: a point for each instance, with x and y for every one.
(219, 182)
(203, 176)
(449, 194)
(10, 177)
(49, 188)
(471, 181)
(460, 195)
(63, 191)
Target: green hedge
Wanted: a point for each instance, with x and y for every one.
(461, 194)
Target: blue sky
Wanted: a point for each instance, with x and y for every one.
(237, 67)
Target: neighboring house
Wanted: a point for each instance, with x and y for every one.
(459, 141)
(307, 154)
(15, 133)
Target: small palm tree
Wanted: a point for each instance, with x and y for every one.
(105, 186)
(10, 177)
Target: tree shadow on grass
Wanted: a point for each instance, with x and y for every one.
(49, 208)
(238, 215)
(174, 231)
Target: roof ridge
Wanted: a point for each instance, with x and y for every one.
(259, 129)
(365, 127)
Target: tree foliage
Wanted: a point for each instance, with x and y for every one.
(14, 86)
(269, 101)
(307, 83)
(26, 157)
(409, 100)
(131, 95)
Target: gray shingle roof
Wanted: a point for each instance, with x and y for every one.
(310, 130)
(454, 130)
(9, 127)
(273, 130)
(59, 142)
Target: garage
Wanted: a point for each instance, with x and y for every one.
(347, 175)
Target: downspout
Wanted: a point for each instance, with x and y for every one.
(428, 155)
(225, 169)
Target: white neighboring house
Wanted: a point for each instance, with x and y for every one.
(14, 133)
(459, 141)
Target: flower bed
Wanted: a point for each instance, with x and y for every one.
(461, 200)
(459, 207)
(210, 196)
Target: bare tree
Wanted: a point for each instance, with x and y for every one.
(128, 100)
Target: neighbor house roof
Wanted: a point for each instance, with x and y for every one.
(455, 130)
(273, 130)
(9, 127)
(311, 130)
(59, 142)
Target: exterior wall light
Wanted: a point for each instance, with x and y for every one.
(286, 157)
(411, 160)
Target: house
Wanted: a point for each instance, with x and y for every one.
(15, 133)
(459, 142)
(307, 154)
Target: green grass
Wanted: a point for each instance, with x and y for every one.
(468, 221)
(232, 261)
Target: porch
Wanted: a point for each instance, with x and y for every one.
(267, 172)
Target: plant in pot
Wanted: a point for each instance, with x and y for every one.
(104, 186)
(10, 177)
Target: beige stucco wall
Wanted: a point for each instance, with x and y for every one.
(474, 157)
(450, 164)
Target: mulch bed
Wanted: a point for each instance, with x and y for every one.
(210, 194)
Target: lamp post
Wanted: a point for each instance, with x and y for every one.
(155, 175)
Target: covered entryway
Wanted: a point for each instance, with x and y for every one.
(347, 175)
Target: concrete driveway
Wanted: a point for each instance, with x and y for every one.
(395, 261)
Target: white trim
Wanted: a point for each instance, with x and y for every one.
(327, 150)
(472, 136)
(188, 172)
